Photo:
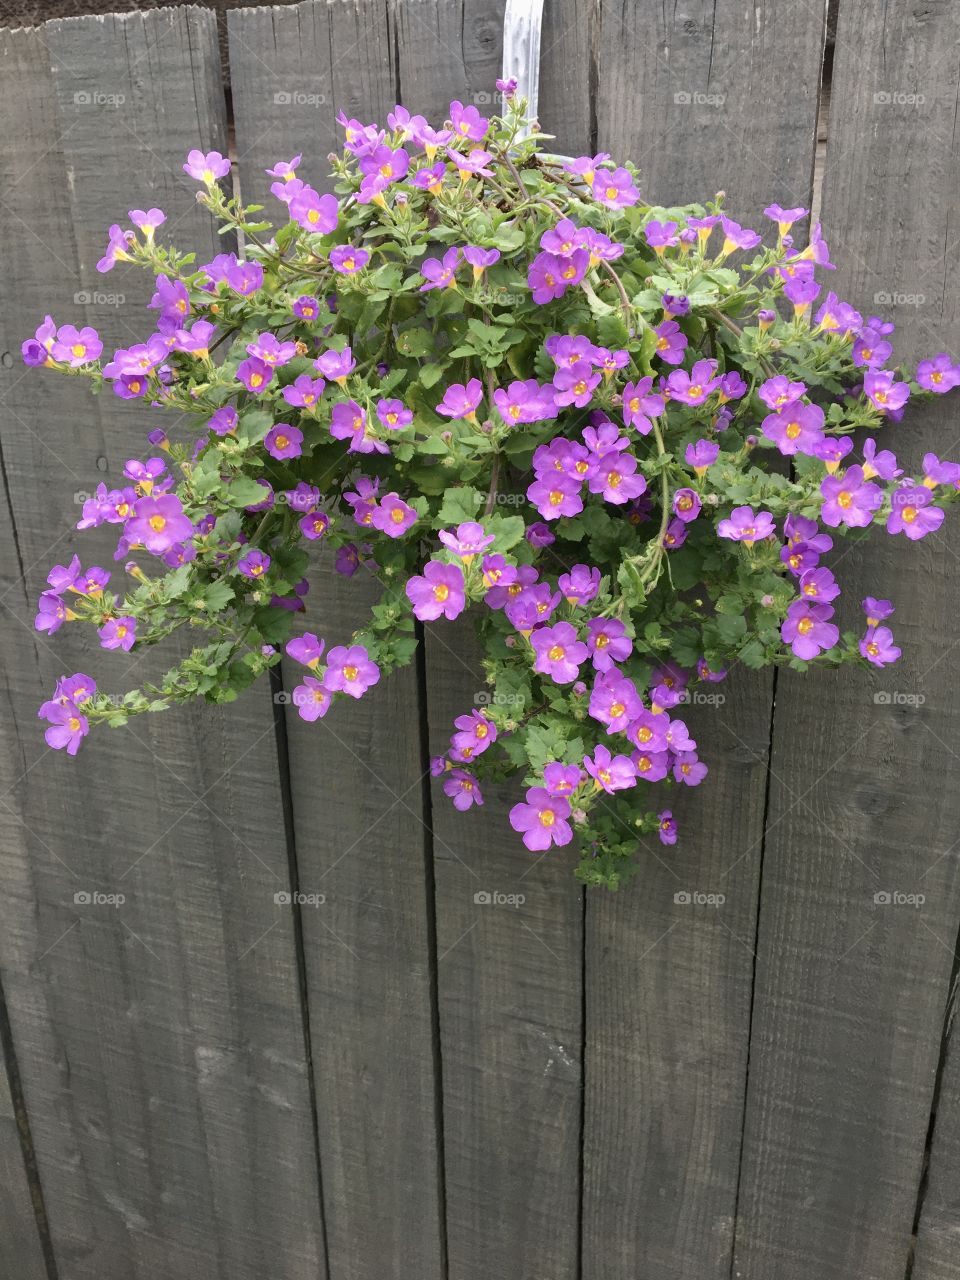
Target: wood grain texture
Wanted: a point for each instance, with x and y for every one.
(938, 1229)
(712, 95)
(669, 982)
(356, 778)
(160, 1041)
(851, 990)
(509, 978)
(21, 1254)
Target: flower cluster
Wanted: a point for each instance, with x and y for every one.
(620, 437)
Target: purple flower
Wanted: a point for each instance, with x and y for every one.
(542, 819)
(118, 633)
(701, 455)
(736, 237)
(784, 218)
(393, 414)
(439, 274)
(147, 220)
(283, 441)
(878, 648)
(315, 212)
(469, 540)
(350, 670)
(667, 827)
(556, 495)
(562, 240)
(480, 258)
(693, 387)
(304, 391)
(393, 516)
(254, 564)
(871, 350)
(206, 167)
(818, 584)
(439, 592)
(462, 788)
(652, 766)
(171, 299)
(255, 375)
(461, 401)
(314, 525)
(648, 732)
(614, 701)
(347, 260)
(580, 585)
(640, 404)
(936, 471)
(76, 346)
(224, 421)
(561, 779)
(475, 733)
(62, 577)
(688, 769)
(837, 316)
(880, 462)
(472, 165)
(876, 610)
(808, 630)
(616, 478)
(244, 277)
(547, 275)
(671, 343)
(884, 392)
(559, 652)
(311, 699)
(158, 523)
(798, 428)
(533, 606)
(779, 392)
(306, 649)
(615, 188)
(911, 512)
(336, 365)
(939, 374)
(270, 350)
(117, 245)
(849, 499)
(575, 386)
(306, 307)
(468, 122)
(51, 613)
(610, 773)
(661, 235)
(67, 728)
(686, 505)
(347, 560)
(743, 526)
(608, 642)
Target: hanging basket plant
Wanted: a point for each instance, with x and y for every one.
(619, 437)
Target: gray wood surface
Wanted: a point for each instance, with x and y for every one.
(850, 993)
(669, 984)
(938, 1225)
(160, 1042)
(356, 777)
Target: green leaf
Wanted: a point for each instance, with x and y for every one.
(459, 504)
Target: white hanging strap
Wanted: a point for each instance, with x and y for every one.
(522, 23)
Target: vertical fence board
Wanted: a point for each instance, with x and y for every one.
(21, 1253)
(356, 777)
(938, 1229)
(668, 1004)
(160, 1042)
(850, 992)
(509, 979)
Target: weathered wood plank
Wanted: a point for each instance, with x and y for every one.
(356, 777)
(509, 978)
(160, 1042)
(938, 1228)
(688, 95)
(668, 982)
(851, 990)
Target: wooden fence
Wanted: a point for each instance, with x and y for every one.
(405, 1082)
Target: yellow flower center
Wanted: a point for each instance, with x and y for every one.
(844, 498)
(909, 514)
(157, 523)
(547, 817)
(350, 673)
(555, 653)
(441, 591)
(805, 626)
